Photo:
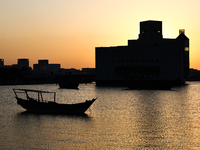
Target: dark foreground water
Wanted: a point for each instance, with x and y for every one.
(119, 119)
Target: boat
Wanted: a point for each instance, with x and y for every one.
(69, 82)
(38, 104)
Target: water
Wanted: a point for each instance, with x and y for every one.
(118, 119)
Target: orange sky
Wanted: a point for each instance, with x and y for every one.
(67, 32)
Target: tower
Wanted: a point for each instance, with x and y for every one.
(150, 30)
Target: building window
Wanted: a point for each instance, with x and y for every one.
(186, 48)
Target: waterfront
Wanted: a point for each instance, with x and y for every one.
(119, 119)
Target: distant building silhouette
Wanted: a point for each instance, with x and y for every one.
(1, 63)
(194, 75)
(151, 58)
(71, 71)
(43, 67)
(23, 63)
(43, 62)
(53, 69)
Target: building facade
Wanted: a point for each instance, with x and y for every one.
(1, 63)
(41, 67)
(149, 59)
(44, 68)
(23, 63)
(53, 69)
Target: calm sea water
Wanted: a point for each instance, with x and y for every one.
(119, 119)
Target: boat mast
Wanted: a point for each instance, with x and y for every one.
(27, 95)
(38, 97)
(41, 96)
(54, 97)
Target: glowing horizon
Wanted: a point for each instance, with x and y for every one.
(67, 32)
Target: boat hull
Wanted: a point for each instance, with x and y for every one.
(69, 85)
(52, 107)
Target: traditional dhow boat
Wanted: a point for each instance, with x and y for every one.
(43, 106)
(69, 82)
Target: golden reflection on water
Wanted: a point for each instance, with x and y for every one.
(119, 119)
(156, 119)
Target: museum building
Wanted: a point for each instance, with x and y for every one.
(149, 59)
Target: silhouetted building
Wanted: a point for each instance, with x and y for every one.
(88, 71)
(1, 63)
(71, 71)
(194, 75)
(41, 67)
(43, 62)
(150, 58)
(44, 68)
(53, 69)
(23, 63)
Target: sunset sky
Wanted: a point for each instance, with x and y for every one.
(67, 31)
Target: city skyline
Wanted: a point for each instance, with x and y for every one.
(67, 32)
(17, 63)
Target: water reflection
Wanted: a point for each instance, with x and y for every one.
(161, 119)
(119, 119)
(49, 131)
(29, 114)
(149, 120)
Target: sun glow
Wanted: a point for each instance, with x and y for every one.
(68, 32)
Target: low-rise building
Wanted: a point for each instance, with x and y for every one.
(71, 71)
(23, 63)
(53, 69)
(1, 63)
